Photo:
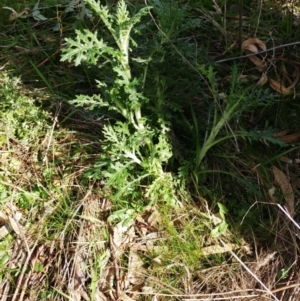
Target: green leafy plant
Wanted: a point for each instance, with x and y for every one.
(137, 147)
(22, 119)
(283, 274)
(222, 226)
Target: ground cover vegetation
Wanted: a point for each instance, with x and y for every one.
(148, 151)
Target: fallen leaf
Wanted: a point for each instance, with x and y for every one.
(136, 273)
(9, 223)
(292, 76)
(275, 85)
(14, 225)
(291, 138)
(122, 235)
(286, 189)
(253, 45)
(263, 80)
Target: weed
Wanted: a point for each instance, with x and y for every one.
(134, 144)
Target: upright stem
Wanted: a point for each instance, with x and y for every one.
(241, 4)
(228, 113)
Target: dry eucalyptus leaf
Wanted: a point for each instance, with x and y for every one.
(263, 80)
(254, 42)
(9, 223)
(14, 225)
(122, 235)
(3, 218)
(125, 297)
(275, 85)
(251, 48)
(286, 189)
(253, 45)
(136, 273)
(153, 219)
(291, 138)
(293, 75)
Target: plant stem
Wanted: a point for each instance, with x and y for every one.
(218, 125)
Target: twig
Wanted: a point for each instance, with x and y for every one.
(116, 265)
(52, 130)
(1, 68)
(285, 211)
(19, 286)
(258, 19)
(241, 4)
(268, 291)
(221, 296)
(257, 53)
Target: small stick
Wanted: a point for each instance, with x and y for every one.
(257, 53)
(240, 21)
(268, 291)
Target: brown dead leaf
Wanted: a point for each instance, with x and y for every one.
(278, 87)
(291, 74)
(286, 189)
(8, 222)
(263, 80)
(291, 138)
(135, 269)
(253, 45)
(14, 225)
(153, 219)
(286, 137)
(122, 235)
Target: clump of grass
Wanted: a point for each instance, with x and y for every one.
(40, 195)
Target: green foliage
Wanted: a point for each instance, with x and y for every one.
(185, 238)
(222, 226)
(123, 94)
(283, 274)
(21, 118)
(156, 121)
(228, 106)
(137, 147)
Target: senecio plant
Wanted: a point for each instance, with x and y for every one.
(136, 146)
